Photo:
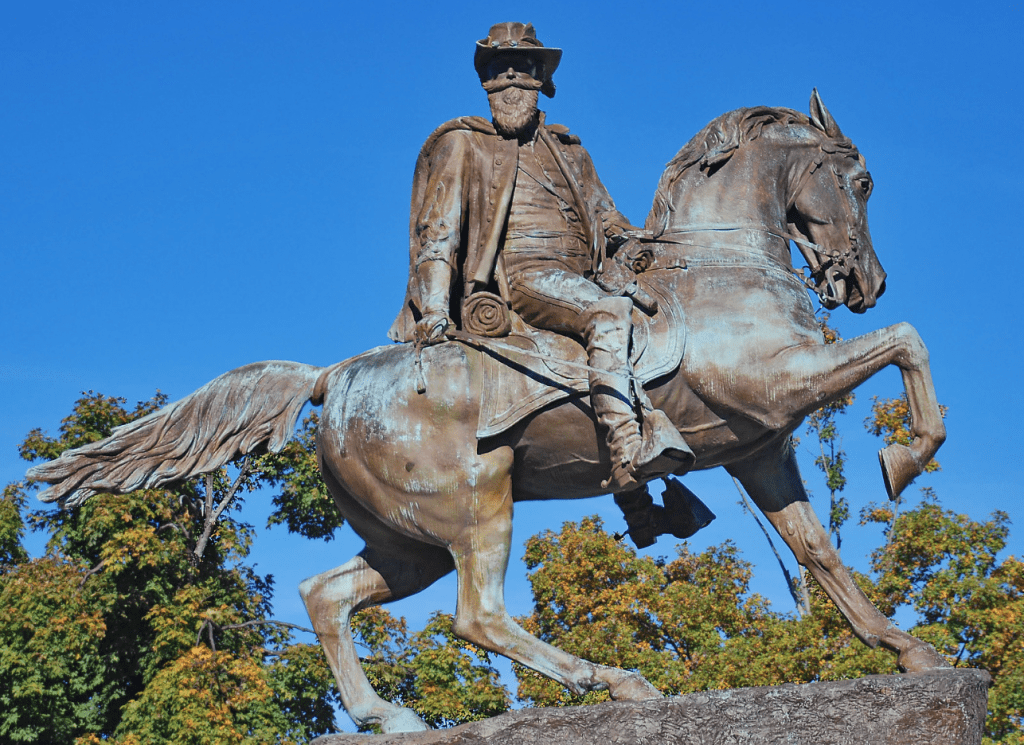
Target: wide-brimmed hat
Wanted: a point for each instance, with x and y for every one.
(517, 38)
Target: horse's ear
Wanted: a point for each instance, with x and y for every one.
(821, 118)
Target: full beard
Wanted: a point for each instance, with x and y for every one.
(514, 111)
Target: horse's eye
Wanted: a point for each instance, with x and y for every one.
(865, 186)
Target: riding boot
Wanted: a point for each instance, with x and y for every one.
(637, 455)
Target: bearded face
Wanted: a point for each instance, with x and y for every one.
(514, 111)
(512, 95)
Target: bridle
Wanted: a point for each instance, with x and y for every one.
(834, 265)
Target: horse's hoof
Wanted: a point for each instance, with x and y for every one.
(899, 467)
(405, 720)
(922, 658)
(633, 687)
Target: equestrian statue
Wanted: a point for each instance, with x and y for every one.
(552, 350)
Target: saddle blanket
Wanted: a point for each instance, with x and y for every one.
(553, 367)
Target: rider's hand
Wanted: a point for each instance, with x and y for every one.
(636, 255)
(431, 328)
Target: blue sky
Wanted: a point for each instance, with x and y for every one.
(189, 187)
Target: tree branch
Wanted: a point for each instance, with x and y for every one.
(275, 623)
(211, 515)
(211, 626)
(91, 572)
(801, 609)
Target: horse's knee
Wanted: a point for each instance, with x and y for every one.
(811, 547)
(479, 626)
(913, 354)
(819, 553)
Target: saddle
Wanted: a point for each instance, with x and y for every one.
(532, 368)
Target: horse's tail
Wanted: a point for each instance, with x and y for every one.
(249, 408)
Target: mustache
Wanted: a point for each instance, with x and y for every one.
(503, 81)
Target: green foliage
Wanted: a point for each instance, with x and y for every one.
(890, 419)
(12, 526)
(143, 623)
(446, 680)
(687, 625)
(54, 682)
(692, 624)
(304, 504)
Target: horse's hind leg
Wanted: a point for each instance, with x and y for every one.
(481, 553)
(371, 578)
(773, 481)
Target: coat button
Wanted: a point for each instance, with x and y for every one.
(497, 161)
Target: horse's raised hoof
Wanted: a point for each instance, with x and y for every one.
(633, 687)
(899, 467)
(404, 720)
(922, 658)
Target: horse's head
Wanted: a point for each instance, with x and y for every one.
(827, 206)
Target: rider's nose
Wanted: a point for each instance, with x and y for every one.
(511, 73)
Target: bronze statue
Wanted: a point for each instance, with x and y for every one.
(426, 447)
(515, 205)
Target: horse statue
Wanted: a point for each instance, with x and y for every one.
(398, 442)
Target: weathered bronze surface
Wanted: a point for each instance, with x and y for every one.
(512, 218)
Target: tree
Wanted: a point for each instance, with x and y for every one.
(144, 604)
(831, 458)
(692, 624)
(689, 624)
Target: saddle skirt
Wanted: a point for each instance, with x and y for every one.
(553, 367)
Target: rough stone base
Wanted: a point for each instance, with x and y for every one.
(941, 708)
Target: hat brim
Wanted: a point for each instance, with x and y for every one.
(549, 57)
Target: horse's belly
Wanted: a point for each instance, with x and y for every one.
(559, 454)
(409, 458)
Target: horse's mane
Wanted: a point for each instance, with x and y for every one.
(715, 144)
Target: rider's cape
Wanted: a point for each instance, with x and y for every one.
(461, 193)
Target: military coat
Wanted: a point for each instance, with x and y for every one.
(462, 188)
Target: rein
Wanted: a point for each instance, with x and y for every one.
(726, 228)
(834, 261)
(489, 344)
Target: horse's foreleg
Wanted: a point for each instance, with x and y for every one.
(800, 379)
(332, 597)
(481, 554)
(773, 481)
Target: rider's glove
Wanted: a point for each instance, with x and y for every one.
(432, 327)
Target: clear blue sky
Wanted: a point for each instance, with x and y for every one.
(189, 187)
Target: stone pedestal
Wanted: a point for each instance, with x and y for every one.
(935, 708)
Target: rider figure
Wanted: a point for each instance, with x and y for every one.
(514, 205)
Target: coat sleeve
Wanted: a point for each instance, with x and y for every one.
(438, 227)
(435, 219)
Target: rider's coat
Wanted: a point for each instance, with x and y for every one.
(462, 188)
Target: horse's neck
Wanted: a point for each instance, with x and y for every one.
(743, 203)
